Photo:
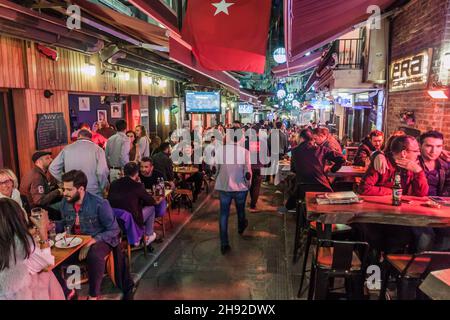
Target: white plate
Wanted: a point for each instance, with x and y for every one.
(52, 243)
(63, 245)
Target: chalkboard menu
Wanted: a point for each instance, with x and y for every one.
(51, 130)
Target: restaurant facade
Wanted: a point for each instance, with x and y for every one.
(419, 67)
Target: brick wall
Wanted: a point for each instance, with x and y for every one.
(421, 25)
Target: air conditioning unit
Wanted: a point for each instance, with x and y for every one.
(376, 67)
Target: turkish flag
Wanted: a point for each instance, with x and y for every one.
(228, 35)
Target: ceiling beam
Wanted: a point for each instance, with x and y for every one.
(160, 12)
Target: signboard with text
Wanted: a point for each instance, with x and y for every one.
(51, 130)
(412, 72)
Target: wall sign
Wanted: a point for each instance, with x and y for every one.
(51, 130)
(412, 72)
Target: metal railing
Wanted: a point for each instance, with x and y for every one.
(349, 53)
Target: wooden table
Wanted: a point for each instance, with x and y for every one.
(185, 170)
(348, 172)
(63, 254)
(375, 209)
(437, 285)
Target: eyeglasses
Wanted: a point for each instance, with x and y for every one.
(6, 182)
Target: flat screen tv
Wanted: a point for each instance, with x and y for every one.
(245, 108)
(202, 102)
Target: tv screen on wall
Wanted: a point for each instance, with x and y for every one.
(202, 102)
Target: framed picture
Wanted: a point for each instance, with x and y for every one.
(84, 104)
(102, 116)
(116, 110)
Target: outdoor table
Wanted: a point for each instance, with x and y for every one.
(378, 209)
(63, 254)
(185, 170)
(348, 172)
(437, 285)
(282, 172)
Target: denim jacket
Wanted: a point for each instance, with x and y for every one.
(96, 219)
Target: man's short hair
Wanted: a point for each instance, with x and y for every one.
(147, 159)
(431, 134)
(78, 178)
(376, 133)
(131, 169)
(121, 125)
(164, 146)
(84, 125)
(306, 135)
(321, 131)
(84, 133)
(401, 143)
(279, 125)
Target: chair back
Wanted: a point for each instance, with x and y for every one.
(302, 188)
(438, 260)
(127, 225)
(343, 253)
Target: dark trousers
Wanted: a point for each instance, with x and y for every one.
(95, 264)
(197, 180)
(255, 187)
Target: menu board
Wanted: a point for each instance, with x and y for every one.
(51, 130)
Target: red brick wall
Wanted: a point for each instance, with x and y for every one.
(419, 26)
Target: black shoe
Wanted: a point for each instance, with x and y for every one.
(225, 248)
(242, 229)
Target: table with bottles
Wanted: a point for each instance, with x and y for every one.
(413, 211)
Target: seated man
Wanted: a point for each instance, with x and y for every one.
(37, 187)
(403, 158)
(149, 177)
(148, 174)
(128, 193)
(323, 137)
(89, 214)
(437, 171)
(369, 145)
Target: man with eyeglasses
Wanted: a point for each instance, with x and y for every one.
(403, 157)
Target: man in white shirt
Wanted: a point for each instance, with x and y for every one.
(233, 177)
(86, 156)
(118, 150)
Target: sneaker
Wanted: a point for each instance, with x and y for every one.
(241, 230)
(150, 239)
(225, 248)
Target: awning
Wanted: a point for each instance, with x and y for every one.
(310, 24)
(145, 31)
(182, 54)
(299, 65)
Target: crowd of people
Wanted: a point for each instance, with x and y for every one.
(107, 169)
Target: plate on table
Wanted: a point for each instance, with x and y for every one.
(68, 243)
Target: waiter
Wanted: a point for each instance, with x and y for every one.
(37, 187)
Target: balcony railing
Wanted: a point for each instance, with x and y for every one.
(349, 53)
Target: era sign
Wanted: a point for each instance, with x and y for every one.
(412, 72)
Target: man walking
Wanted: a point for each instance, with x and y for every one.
(233, 171)
(118, 151)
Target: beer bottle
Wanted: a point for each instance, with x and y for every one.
(397, 190)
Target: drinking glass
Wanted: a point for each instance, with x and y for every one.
(67, 232)
(52, 231)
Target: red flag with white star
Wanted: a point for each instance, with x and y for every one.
(228, 35)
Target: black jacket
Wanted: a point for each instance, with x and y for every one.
(366, 148)
(163, 164)
(129, 195)
(308, 163)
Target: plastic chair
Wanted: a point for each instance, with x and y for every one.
(338, 259)
(411, 270)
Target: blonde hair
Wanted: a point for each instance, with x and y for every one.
(8, 173)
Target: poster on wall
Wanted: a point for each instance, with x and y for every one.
(51, 130)
(102, 116)
(116, 110)
(84, 104)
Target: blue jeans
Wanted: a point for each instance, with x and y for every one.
(225, 203)
(148, 213)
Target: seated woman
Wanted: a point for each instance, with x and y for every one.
(9, 186)
(22, 260)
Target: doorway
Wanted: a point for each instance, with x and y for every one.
(8, 144)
